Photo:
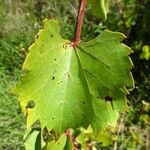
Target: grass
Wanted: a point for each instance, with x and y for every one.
(11, 119)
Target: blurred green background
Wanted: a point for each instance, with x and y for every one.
(20, 20)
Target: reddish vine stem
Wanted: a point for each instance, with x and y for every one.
(79, 22)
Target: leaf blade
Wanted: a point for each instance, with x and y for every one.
(100, 8)
(71, 86)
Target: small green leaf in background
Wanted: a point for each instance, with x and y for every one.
(106, 138)
(100, 8)
(75, 87)
(86, 138)
(69, 143)
(57, 145)
(145, 52)
(32, 139)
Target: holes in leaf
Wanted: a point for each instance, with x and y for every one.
(108, 98)
(83, 103)
(52, 35)
(64, 46)
(53, 118)
(30, 104)
(37, 36)
(98, 97)
(53, 78)
(55, 59)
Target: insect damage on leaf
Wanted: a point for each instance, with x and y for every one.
(75, 88)
(30, 104)
(53, 78)
(108, 98)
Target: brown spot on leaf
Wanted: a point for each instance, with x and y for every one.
(108, 98)
(53, 78)
(30, 104)
(65, 46)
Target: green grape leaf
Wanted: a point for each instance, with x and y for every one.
(100, 8)
(64, 86)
